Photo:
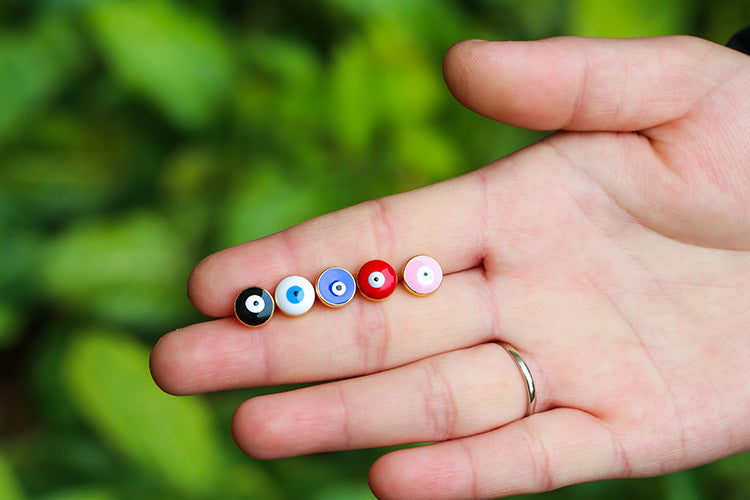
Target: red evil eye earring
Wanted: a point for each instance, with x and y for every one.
(376, 279)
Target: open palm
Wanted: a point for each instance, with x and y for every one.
(614, 255)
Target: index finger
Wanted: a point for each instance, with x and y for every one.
(444, 220)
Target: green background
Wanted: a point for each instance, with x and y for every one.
(137, 137)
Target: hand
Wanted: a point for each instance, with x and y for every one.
(614, 255)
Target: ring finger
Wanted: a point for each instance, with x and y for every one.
(450, 395)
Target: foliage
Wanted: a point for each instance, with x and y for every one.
(108, 378)
(138, 136)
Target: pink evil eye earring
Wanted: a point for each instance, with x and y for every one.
(422, 275)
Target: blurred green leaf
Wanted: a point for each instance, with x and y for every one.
(345, 491)
(628, 18)
(34, 67)
(292, 73)
(436, 22)
(540, 18)
(131, 269)
(176, 58)
(412, 88)
(355, 96)
(727, 478)
(81, 494)
(427, 152)
(279, 102)
(380, 84)
(58, 183)
(169, 437)
(19, 249)
(247, 480)
(264, 201)
(723, 19)
(189, 189)
(9, 487)
(10, 326)
(680, 486)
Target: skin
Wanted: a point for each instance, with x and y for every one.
(614, 255)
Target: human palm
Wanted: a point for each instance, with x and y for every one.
(614, 255)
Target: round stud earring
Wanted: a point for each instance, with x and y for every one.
(335, 287)
(294, 295)
(422, 275)
(376, 279)
(253, 306)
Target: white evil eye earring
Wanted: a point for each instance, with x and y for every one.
(294, 295)
(335, 287)
(253, 306)
(422, 275)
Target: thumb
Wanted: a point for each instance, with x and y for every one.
(584, 83)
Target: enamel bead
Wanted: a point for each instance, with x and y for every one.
(253, 306)
(335, 287)
(294, 295)
(422, 275)
(376, 279)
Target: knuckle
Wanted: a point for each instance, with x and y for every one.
(440, 407)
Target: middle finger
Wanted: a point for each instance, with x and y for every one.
(361, 338)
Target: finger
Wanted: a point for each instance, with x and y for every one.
(444, 221)
(540, 453)
(452, 395)
(360, 338)
(585, 84)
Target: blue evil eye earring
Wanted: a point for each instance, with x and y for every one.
(335, 287)
(294, 295)
(253, 306)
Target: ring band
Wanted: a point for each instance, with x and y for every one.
(525, 373)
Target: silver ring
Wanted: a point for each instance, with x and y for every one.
(525, 373)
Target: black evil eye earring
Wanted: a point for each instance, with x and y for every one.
(253, 306)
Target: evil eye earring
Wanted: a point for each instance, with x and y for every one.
(294, 295)
(422, 275)
(335, 287)
(253, 306)
(377, 279)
